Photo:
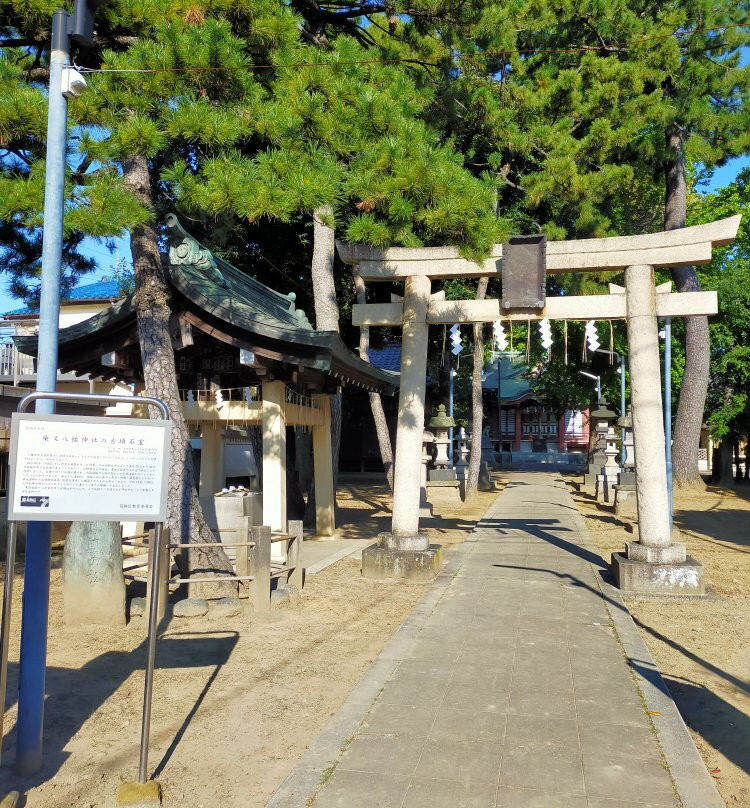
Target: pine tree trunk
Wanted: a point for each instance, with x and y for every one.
(692, 401)
(326, 306)
(184, 515)
(376, 403)
(477, 410)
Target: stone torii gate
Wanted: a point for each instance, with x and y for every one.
(654, 562)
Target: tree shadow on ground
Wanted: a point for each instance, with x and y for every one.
(719, 723)
(543, 529)
(720, 525)
(73, 695)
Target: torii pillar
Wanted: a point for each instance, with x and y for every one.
(405, 552)
(653, 564)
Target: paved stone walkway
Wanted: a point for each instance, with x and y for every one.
(511, 689)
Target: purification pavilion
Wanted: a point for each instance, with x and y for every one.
(245, 356)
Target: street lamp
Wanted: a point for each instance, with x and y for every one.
(598, 381)
(64, 82)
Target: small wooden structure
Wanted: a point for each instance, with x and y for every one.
(245, 356)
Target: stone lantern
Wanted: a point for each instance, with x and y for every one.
(440, 424)
(625, 490)
(462, 464)
(600, 419)
(425, 508)
(607, 478)
(443, 487)
(626, 423)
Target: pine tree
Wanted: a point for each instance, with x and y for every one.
(181, 118)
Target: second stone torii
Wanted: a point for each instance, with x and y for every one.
(653, 563)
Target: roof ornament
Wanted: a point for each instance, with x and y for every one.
(184, 249)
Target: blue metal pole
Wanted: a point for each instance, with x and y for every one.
(33, 659)
(622, 411)
(450, 406)
(668, 410)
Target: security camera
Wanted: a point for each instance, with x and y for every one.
(73, 83)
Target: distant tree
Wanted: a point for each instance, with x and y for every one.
(729, 274)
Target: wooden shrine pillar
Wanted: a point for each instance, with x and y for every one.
(212, 459)
(325, 499)
(519, 427)
(273, 427)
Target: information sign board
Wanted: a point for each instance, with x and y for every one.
(80, 468)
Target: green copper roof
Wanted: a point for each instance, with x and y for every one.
(222, 289)
(514, 383)
(229, 303)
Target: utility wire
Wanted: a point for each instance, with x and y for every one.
(414, 60)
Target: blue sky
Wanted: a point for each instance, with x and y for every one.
(106, 261)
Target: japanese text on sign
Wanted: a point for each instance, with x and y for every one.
(80, 468)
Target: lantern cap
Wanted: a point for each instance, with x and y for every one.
(442, 420)
(603, 412)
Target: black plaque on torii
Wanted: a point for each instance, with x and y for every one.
(524, 268)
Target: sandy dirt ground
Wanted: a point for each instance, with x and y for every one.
(236, 702)
(702, 647)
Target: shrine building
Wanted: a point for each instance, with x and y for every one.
(246, 357)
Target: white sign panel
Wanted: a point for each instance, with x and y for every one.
(80, 468)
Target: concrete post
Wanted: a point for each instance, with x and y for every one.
(405, 552)
(258, 565)
(405, 522)
(323, 469)
(273, 427)
(212, 460)
(93, 583)
(648, 426)
(653, 564)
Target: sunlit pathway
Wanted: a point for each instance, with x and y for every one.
(507, 688)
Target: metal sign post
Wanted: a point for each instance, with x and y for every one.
(57, 461)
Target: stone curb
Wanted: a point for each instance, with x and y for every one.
(319, 566)
(695, 786)
(305, 778)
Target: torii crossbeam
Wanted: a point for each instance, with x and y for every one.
(406, 552)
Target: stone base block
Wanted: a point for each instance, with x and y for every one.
(645, 578)
(605, 488)
(444, 492)
(485, 478)
(442, 475)
(673, 554)
(411, 565)
(626, 504)
(139, 795)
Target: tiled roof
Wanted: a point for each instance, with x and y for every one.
(514, 381)
(101, 290)
(388, 358)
